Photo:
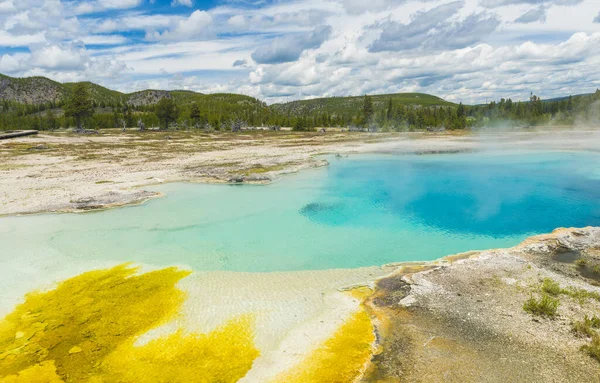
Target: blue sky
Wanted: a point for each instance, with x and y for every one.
(465, 50)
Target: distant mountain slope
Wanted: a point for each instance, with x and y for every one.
(40, 90)
(32, 90)
(351, 105)
(567, 97)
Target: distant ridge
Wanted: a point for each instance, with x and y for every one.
(41, 90)
(350, 105)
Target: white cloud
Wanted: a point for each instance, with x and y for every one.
(10, 40)
(533, 15)
(434, 29)
(462, 50)
(7, 7)
(102, 5)
(9, 63)
(289, 48)
(104, 39)
(198, 25)
(62, 57)
(187, 3)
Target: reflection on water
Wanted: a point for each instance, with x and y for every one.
(361, 211)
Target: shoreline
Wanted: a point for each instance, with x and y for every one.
(109, 171)
(298, 311)
(458, 316)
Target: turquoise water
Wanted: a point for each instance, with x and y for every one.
(361, 211)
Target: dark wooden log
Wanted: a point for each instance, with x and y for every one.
(19, 133)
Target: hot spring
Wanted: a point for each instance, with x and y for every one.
(361, 211)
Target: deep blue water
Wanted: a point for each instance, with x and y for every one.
(361, 211)
(492, 195)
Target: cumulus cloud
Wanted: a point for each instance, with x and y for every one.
(57, 56)
(434, 29)
(197, 25)
(289, 48)
(597, 19)
(277, 50)
(10, 63)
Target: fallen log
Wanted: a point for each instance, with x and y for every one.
(18, 133)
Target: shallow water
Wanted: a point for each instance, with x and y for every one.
(361, 211)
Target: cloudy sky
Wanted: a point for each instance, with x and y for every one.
(279, 50)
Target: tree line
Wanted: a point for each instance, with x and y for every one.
(79, 110)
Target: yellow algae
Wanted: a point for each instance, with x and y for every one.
(340, 359)
(44, 372)
(85, 330)
(224, 355)
(94, 312)
(361, 293)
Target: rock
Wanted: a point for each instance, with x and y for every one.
(237, 179)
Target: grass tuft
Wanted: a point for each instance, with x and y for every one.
(546, 306)
(551, 287)
(593, 348)
(587, 326)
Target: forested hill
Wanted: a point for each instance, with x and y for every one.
(42, 91)
(39, 103)
(347, 106)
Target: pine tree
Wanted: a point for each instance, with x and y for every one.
(195, 114)
(368, 110)
(166, 111)
(79, 105)
(390, 110)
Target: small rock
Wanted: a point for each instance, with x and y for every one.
(236, 179)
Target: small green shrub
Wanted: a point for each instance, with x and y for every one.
(551, 287)
(581, 262)
(593, 348)
(545, 306)
(587, 326)
(580, 295)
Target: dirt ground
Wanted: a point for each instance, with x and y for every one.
(464, 320)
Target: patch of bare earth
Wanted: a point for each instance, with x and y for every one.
(464, 320)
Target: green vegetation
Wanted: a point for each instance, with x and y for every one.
(40, 103)
(79, 105)
(545, 306)
(166, 111)
(588, 329)
(587, 326)
(551, 287)
(593, 348)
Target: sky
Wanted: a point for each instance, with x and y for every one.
(469, 51)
